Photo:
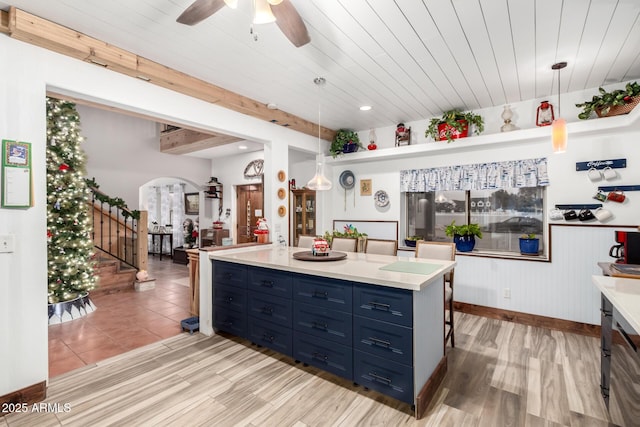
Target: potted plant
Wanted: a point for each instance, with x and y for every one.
(345, 141)
(464, 236)
(619, 101)
(529, 244)
(411, 241)
(454, 124)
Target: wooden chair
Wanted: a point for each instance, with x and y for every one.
(344, 244)
(381, 247)
(445, 251)
(305, 241)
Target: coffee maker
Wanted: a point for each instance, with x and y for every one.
(627, 249)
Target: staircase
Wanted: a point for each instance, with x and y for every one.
(114, 275)
(120, 241)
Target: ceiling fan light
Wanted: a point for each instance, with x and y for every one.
(262, 13)
(274, 2)
(233, 4)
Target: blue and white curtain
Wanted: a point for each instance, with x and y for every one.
(480, 176)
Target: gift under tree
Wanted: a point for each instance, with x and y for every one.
(69, 245)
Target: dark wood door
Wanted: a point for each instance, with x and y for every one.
(249, 207)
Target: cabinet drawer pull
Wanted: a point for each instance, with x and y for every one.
(320, 294)
(319, 325)
(267, 310)
(267, 283)
(319, 356)
(267, 337)
(380, 379)
(227, 275)
(606, 353)
(380, 343)
(229, 299)
(227, 323)
(379, 306)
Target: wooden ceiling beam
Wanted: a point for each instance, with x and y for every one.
(40, 32)
(184, 141)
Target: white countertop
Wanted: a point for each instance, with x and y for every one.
(358, 267)
(624, 294)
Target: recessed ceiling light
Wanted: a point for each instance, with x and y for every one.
(365, 108)
(272, 106)
(242, 147)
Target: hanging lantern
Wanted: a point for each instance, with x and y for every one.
(544, 114)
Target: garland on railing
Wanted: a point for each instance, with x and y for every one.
(116, 201)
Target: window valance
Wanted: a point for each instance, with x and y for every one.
(480, 176)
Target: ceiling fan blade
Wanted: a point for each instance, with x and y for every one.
(290, 23)
(199, 10)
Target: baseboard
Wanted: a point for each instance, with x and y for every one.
(529, 319)
(29, 395)
(430, 388)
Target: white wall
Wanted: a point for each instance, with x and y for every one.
(123, 154)
(23, 273)
(560, 289)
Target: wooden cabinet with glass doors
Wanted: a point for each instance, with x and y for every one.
(303, 214)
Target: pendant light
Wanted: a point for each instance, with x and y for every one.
(319, 182)
(559, 126)
(262, 12)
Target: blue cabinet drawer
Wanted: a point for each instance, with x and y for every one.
(389, 341)
(323, 354)
(230, 274)
(386, 304)
(230, 321)
(270, 335)
(322, 292)
(390, 378)
(270, 281)
(231, 298)
(273, 309)
(321, 322)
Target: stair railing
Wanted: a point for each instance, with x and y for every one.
(119, 231)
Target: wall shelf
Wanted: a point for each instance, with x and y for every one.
(603, 126)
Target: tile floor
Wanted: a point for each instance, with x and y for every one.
(123, 321)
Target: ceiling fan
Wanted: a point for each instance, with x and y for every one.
(286, 16)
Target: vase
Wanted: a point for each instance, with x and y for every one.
(349, 148)
(529, 246)
(445, 129)
(361, 244)
(464, 243)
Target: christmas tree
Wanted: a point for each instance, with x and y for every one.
(69, 247)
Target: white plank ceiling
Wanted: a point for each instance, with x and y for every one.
(409, 59)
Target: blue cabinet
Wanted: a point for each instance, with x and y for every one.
(357, 331)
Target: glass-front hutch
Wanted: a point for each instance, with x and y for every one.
(303, 214)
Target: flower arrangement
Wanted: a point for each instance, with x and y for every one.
(602, 103)
(349, 232)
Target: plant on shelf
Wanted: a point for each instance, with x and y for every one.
(619, 101)
(463, 235)
(454, 124)
(411, 241)
(529, 244)
(345, 141)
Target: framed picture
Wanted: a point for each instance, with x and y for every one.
(192, 203)
(365, 187)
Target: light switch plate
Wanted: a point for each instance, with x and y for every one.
(7, 243)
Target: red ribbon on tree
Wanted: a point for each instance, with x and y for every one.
(63, 167)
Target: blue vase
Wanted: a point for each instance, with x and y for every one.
(464, 243)
(349, 148)
(529, 246)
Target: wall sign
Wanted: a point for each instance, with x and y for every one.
(16, 174)
(601, 164)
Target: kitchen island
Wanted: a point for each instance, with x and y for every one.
(376, 320)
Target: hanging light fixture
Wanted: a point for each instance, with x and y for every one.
(319, 182)
(262, 12)
(559, 126)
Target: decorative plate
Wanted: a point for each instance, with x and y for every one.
(282, 211)
(282, 193)
(347, 180)
(381, 198)
(282, 176)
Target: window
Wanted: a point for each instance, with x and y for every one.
(503, 215)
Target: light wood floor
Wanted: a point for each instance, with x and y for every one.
(500, 374)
